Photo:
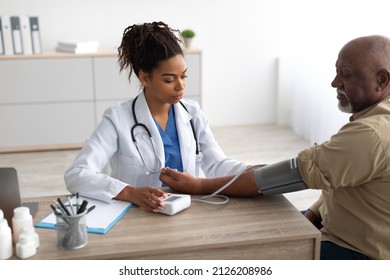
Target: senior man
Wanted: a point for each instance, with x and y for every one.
(352, 168)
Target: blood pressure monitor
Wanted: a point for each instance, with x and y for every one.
(175, 203)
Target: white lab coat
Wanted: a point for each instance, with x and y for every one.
(111, 145)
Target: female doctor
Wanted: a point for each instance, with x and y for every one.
(157, 129)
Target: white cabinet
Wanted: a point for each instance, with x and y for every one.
(110, 86)
(55, 101)
(45, 101)
(194, 81)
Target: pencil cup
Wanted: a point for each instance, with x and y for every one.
(72, 231)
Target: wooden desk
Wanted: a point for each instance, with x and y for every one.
(245, 228)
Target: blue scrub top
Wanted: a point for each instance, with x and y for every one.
(171, 142)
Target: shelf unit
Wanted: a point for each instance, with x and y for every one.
(54, 101)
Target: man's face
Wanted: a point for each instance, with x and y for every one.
(355, 80)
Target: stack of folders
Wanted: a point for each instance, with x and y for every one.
(19, 35)
(78, 46)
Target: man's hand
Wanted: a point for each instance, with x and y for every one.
(313, 218)
(180, 182)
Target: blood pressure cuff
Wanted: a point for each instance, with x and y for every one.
(278, 178)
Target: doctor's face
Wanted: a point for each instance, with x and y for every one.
(166, 83)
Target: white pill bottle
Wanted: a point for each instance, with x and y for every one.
(5, 238)
(21, 219)
(26, 246)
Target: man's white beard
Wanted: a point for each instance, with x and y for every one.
(346, 109)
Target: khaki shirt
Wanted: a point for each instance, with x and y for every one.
(353, 171)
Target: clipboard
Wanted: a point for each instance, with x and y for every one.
(100, 220)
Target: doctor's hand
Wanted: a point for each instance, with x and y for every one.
(180, 181)
(148, 198)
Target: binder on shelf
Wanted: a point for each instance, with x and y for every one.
(78, 44)
(7, 35)
(35, 35)
(16, 35)
(78, 47)
(26, 34)
(1, 39)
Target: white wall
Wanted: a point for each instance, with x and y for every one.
(320, 29)
(241, 42)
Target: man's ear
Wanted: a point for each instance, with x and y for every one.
(383, 79)
(143, 78)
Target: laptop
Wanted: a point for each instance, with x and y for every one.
(10, 194)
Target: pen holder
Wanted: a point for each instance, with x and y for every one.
(72, 231)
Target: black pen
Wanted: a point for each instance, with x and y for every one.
(58, 212)
(82, 207)
(77, 202)
(59, 208)
(55, 210)
(91, 208)
(63, 207)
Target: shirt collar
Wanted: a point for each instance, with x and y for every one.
(361, 113)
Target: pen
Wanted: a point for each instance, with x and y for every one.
(77, 202)
(58, 212)
(63, 206)
(91, 208)
(59, 208)
(71, 206)
(55, 210)
(82, 207)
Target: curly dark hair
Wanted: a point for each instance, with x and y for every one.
(145, 45)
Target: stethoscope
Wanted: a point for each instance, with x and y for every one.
(137, 124)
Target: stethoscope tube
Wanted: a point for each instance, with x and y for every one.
(137, 124)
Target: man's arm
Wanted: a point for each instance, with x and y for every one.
(244, 185)
(276, 178)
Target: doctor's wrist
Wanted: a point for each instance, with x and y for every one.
(125, 194)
